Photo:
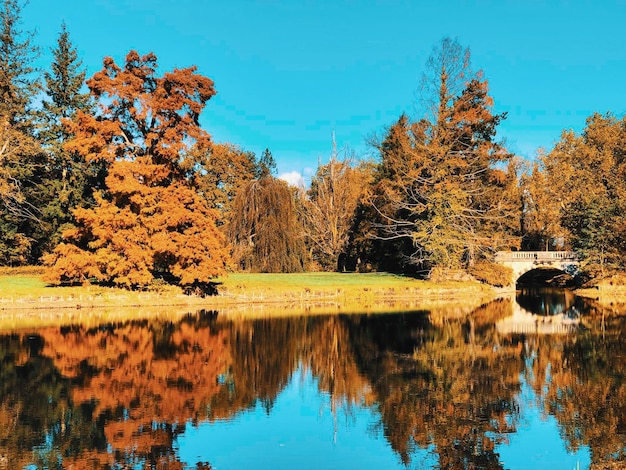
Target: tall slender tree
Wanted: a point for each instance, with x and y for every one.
(20, 154)
(267, 164)
(19, 82)
(63, 86)
(67, 178)
(439, 176)
(328, 209)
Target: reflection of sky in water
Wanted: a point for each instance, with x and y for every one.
(537, 443)
(302, 432)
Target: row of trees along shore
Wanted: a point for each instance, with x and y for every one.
(112, 179)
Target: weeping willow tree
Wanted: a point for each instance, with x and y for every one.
(264, 230)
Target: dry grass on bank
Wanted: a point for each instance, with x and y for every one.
(609, 293)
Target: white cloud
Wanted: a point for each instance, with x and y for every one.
(293, 178)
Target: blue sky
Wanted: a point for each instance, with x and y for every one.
(288, 73)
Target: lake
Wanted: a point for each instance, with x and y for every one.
(536, 382)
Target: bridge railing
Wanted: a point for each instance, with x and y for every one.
(539, 256)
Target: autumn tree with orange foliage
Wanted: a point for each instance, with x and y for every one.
(150, 220)
(583, 177)
(224, 171)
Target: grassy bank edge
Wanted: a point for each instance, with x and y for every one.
(608, 292)
(26, 301)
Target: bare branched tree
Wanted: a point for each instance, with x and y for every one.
(329, 206)
(14, 146)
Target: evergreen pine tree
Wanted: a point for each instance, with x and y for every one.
(67, 180)
(19, 82)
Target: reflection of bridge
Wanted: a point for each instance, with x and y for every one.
(523, 261)
(524, 322)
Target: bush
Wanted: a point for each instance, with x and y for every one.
(492, 273)
(439, 274)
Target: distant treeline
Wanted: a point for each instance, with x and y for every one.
(112, 179)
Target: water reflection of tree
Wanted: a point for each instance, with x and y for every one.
(582, 382)
(443, 381)
(265, 353)
(35, 407)
(125, 391)
(329, 353)
(451, 386)
(108, 394)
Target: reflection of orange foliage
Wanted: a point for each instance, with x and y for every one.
(265, 354)
(134, 387)
(139, 438)
(580, 383)
(119, 369)
(454, 390)
(90, 460)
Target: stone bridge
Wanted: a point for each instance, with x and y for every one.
(523, 261)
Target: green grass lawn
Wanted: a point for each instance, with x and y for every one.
(22, 286)
(26, 299)
(28, 283)
(299, 281)
(18, 282)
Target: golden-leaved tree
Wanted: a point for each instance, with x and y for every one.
(442, 180)
(264, 229)
(585, 176)
(224, 171)
(150, 219)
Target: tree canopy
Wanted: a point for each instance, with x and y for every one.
(149, 220)
(21, 158)
(585, 177)
(328, 209)
(114, 179)
(441, 178)
(264, 230)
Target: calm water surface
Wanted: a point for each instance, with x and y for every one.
(533, 383)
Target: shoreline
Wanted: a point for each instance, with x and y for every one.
(27, 302)
(240, 298)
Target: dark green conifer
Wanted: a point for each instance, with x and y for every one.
(67, 179)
